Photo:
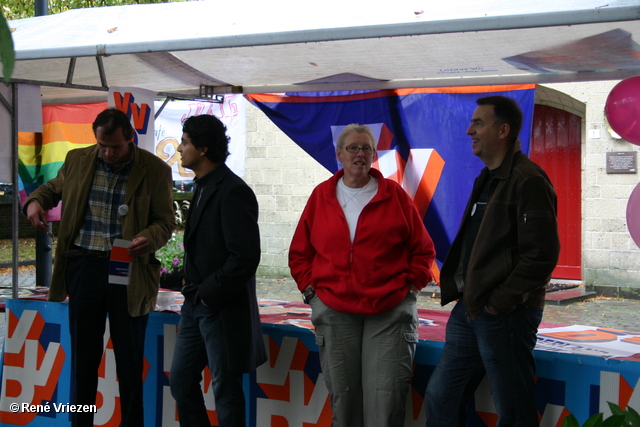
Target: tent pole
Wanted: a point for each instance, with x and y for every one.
(42, 8)
(16, 195)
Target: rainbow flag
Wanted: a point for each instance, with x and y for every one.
(64, 128)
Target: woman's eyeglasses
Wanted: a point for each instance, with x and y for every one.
(354, 149)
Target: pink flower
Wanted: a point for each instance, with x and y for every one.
(176, 261)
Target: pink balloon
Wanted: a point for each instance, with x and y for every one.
(633, 215)
(623, 109)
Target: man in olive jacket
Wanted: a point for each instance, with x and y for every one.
(497, 268)
(109, 190)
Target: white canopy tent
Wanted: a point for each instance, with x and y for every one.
(285, 45)
(203, 48)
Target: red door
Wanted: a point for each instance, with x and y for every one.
(555, 146)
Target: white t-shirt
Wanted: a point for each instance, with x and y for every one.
(353, 200)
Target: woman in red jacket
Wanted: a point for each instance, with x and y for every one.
(360, 254)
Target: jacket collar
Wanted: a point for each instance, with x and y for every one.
(208, 177)
(209, 183)
(504, 170)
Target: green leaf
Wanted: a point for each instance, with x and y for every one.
(617, 420)
(633, 417)
(7, 54)
(570, 421)
(594, 421)
(615, 409)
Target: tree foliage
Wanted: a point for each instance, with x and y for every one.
(18, 9)
(7, 54)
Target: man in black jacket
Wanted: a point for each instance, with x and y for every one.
(220, 323)
(497, 269)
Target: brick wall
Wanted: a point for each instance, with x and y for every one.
(282, 176)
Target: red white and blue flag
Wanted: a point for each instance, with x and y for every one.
(422, 142)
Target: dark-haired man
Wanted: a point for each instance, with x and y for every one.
(497, 269)
(220, 323)
(111, 190)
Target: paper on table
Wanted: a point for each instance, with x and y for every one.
(120, 262)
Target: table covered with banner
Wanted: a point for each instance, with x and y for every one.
(579, 370)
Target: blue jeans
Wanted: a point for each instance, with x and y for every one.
(500, 346)
(200, 342)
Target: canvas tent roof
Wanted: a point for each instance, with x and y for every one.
(289, 46)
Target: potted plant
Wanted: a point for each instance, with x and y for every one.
(171, 256)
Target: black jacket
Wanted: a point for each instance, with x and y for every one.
(517, 245)
(222, 253)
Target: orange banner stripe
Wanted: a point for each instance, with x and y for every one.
(75, 133)
(389, 92)
(72, 113)
(429, 183)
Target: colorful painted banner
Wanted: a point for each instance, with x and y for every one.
(168, 125)
(289, 390)
(69, 126)
(422, 142)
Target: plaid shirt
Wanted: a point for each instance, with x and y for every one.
(101, 220)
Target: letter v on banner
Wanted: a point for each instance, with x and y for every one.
(418, 175)
(138, 105)
(33, 362)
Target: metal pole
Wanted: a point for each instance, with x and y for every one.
(41, 8)
(44, 242)
(44, 258)
(16, 196)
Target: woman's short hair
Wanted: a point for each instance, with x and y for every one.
(354, 127)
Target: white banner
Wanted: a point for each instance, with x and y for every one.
(6, 138)
(29, 108)
(168, 131)
(589, 340)
(28, 119)
(138, 105)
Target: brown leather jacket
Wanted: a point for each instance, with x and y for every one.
(517, 245)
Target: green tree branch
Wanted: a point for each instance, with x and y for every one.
(7, 54)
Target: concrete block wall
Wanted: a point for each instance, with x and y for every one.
(283, 176)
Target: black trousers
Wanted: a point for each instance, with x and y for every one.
(91, 299)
